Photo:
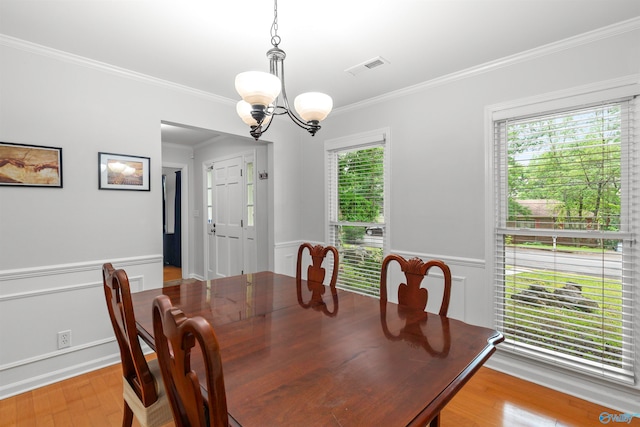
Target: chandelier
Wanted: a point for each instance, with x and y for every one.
(264, 96)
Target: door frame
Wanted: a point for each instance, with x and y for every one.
(186, 214)
(205, 165)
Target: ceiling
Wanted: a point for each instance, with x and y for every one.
(203, 44)
(175, 133)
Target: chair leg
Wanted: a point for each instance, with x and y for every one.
(127, 418)
(435, 422)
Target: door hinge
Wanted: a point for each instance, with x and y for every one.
(241, 223)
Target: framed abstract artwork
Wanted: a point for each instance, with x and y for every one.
(27, 165)
(123, 172)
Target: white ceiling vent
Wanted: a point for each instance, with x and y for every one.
(367, 65)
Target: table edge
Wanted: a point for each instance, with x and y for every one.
(433, 409)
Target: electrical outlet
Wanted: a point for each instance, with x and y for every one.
(64, 339)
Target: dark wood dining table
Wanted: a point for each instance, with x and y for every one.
(348, 361)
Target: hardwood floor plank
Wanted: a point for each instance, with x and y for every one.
(171, 273)
(24, 408)
(8, 412)
(62, 418)
(42, 406)
(492, 398)
(57, 399)
(489, 399)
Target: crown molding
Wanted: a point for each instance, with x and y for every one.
(178, 146)
(549, 49)
(60, 55)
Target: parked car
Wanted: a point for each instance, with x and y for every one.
(374, 231)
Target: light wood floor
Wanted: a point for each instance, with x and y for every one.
(172, 273)
(489, 399)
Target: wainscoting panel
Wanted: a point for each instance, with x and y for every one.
(286, 256)
(468, 287)
(38, 303)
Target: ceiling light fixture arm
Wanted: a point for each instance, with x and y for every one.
(281, 104)
(264, 95)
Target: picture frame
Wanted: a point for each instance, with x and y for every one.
(123, 172)
(26, 165)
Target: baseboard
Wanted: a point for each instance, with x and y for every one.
(51, 368)
(618, 397)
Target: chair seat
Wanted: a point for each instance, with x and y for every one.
(158, 413)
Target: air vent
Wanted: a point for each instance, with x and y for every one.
(367, 65)
(374, 64)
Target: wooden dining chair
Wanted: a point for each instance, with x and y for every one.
(411, 295)
(316, 276)
(143, 390)
(176, 336)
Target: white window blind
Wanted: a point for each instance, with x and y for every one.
(356, 227)
(566, 211)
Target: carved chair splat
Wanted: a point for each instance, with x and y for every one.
(316, 275)
(176, 336)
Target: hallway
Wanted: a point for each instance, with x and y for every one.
(171, 272)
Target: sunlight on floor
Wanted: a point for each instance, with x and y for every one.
(517, 416)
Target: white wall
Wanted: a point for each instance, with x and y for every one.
(54, 241)
(437, 206)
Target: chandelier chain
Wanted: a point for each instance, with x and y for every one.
(275, 38)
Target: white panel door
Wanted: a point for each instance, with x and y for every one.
(225, 237)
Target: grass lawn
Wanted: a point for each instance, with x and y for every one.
(539, 311)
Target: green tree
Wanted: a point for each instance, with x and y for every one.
(574, 159)
(361, 185)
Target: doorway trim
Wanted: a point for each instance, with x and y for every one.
(243, 154)
(185, 224)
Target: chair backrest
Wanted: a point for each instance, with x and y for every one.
(135, 369)
(316, 275)
(410, 294)
(175, 337)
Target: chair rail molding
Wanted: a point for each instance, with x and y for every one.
(49, 270)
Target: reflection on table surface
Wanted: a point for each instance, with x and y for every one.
(417, 328)
(317, 300)
(293, 358)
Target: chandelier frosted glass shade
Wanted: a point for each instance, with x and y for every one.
(257, 87)
(243, 108)
(313, 106)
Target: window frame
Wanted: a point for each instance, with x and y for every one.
(539, 105)
(369, 139)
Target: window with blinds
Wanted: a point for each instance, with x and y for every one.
(565, 209)
(356, 226)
